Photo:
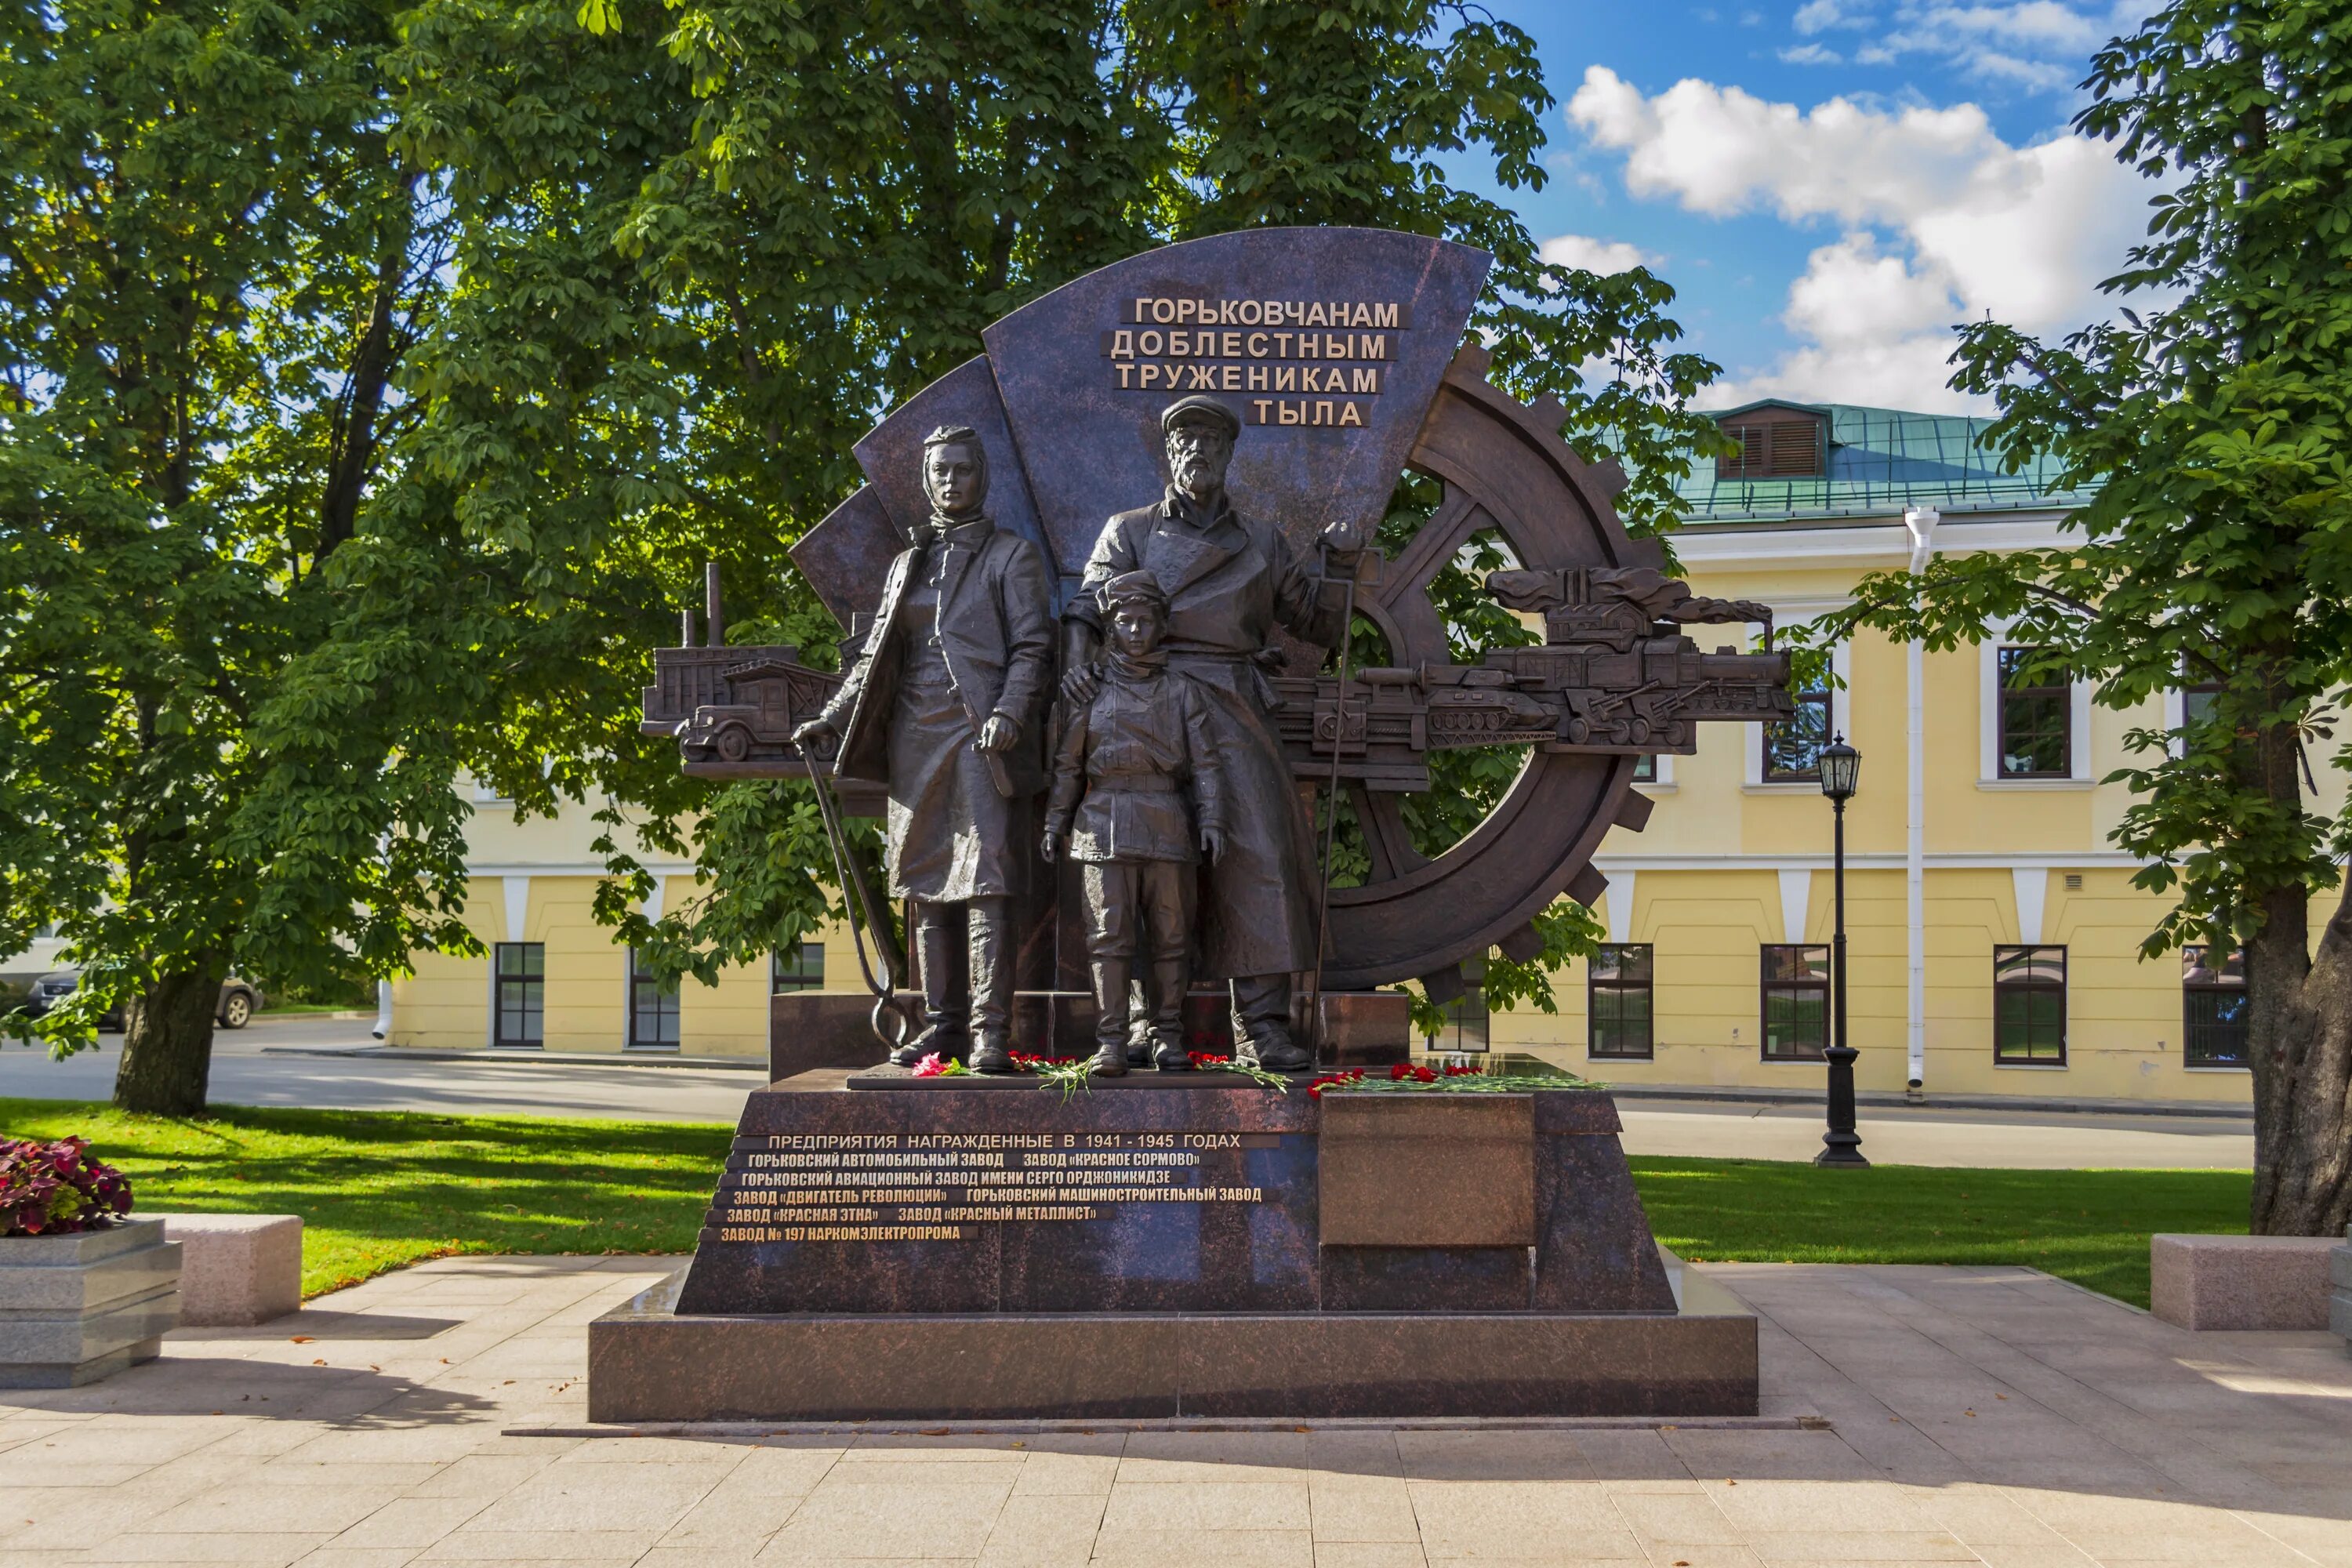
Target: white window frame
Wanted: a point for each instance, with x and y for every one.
(2078, 723)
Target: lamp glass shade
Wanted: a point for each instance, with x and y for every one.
(1840, 767)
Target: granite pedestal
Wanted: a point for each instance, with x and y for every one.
(237, 1269)
(2198, 1281)
(1172, 1244)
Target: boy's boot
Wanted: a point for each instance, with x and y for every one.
(1109, 1060)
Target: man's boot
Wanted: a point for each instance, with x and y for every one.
(991, 984)
(1262, 1025)
(1111, 999)
(1170, 980)
(938, 950)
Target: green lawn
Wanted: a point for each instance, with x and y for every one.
(2090, 1227)
(380, 1189)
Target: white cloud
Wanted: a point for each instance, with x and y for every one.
(1820, 15)
(2039, 75)
(1810, 55)
(1853, 294)
(1941, 220)
(2039, 44)
(1603, 255)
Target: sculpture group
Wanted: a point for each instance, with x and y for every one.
(987, 660)
(1171, 788)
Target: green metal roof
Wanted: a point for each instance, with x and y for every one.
(1880, 460)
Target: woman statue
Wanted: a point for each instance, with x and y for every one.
(941, 705)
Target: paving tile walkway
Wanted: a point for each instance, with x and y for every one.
(1984, 1415)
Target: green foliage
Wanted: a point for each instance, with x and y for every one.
(696, 265)
(211, 260)
(370, 420)
(2219, 549)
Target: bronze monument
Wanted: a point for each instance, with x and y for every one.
(1192, 1244)
(1138, 772)
(940, 706)
(1231, 581)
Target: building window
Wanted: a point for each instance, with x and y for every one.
(1465, 1019)
(798, 968)
(2029, 1004)
(1645, 768)
(2197, 699)
(2036, 718)
(653, 1009)
(1617, 999)
(1796, 1001)
(2213, 1006)
(1792, 748)
(519, 970)
(1774, 449)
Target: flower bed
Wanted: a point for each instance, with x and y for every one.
(1456, 1079)
(56, 1189)
(1070, 1075)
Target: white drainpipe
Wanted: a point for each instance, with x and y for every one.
(1920, 521)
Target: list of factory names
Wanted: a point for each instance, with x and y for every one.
(893, 1186)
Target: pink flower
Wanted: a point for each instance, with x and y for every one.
(930, 1066)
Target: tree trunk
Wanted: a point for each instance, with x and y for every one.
(167, 1044)
(2301, 1038)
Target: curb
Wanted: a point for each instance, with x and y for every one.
(549, 1059)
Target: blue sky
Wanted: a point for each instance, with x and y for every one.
(1829, 184)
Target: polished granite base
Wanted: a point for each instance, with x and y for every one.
(647, 1363)
(1166, 1245)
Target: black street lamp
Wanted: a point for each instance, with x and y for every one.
(1840, 767)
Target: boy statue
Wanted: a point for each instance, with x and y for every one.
(1134, 751)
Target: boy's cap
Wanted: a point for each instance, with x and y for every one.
(1133, 587)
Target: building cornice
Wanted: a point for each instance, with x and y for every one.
(1986, 860)
(1860, 541)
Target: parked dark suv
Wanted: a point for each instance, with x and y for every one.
(239, 999)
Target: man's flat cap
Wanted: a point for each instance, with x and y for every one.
(1198, 409)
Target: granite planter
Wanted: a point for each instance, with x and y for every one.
(75, 1308)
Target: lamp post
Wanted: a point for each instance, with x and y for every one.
(1840, 767)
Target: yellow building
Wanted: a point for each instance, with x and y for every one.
(1993, 928)
(554, 980)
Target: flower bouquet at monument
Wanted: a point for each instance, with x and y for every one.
(54, 1189)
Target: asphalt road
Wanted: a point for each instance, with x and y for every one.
(271, 1063)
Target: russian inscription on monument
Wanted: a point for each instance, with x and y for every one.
(891, 1186)
(1291, 362)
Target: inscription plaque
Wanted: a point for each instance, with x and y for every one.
(1184, 1199)
(889, 1186)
